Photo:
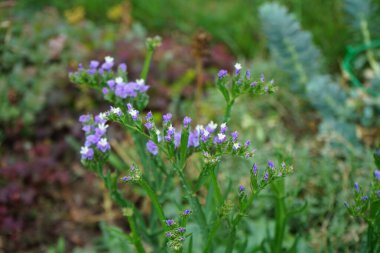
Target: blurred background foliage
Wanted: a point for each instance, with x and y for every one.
(322, 54)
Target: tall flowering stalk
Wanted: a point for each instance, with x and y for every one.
(164, 149)
(366, 205)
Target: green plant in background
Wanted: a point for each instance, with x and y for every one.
(366, 205)
(173, 160)
(33, 54)
(344, 110)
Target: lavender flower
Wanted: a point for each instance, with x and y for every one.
(235, 135)
(87, 128)
(148, 125)
(116, 110)
(377, 174)
(87, 153)
(187, 212)
(152, 147)
(92, 139)
(105, 90)
(241, 188)
(247, 143)
(134, 113)
(111, 84)
(223, 128)
(169, 234)
(222, 73)
(270, 164)
(253, 84)
(103, 145)
(236, 146)
(181, 230)
(211, 127)
(220, 138)
(101, 118)
(248, 74)
(186, 121)
(357, 187)
(149, 115)
(254, 169)
(237, 68)
(94, 64)
(84, 118)
(266, 176)
(193, 139)
(170, 222)
(126, 179)
(205, 134)
(167, 117)
(377, 152)
(123, 67)
(177, 139)
(262, 78)
(108, 64)
(101, 129)
(364, 198)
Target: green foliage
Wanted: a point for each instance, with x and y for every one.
(291, 47)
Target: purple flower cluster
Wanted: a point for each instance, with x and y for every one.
(115, 82)
(95, 130)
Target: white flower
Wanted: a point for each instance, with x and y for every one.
(224, 125)
(206, 133)
(115, 110)
(133, 113)
(102, 126)
(103, 142)
(236, 146)
(237, 66)
(102, 116)
(84, 150)
(212, 125)
(108, 59)
(140, 81)
(118, 80)
(199, 128)
(171, 128)
(221, 136)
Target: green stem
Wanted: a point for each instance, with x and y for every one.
(369, 52)
(227, 114)
(235, 223)
(136, 238)
(201, 217)
(211, 235)
(148, 59)
(153, 197)
(216, 187)
(280, 215)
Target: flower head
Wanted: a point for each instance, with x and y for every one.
(357, 187)
(152, 147)
(123, 67)
(241, 188)
(253, 84)
(235, 135)
(223, 128)
(103, 145)
(167, 117)
(377, 174)
(270, 164)
(236, 146)
(186, 121)
(222, 73)
(170, 222)
(266, 176)
(237, 68)
(254, 169)
(248, 74)
(187, 212)
(87, 153)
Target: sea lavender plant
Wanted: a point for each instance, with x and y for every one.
(164, 149)
(366, 205)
